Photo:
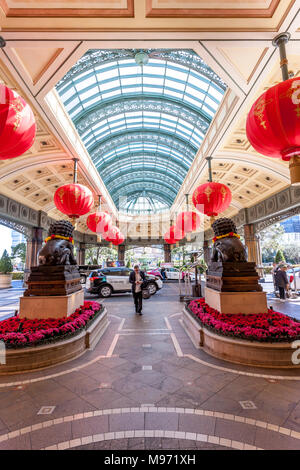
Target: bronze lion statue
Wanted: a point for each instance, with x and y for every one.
(227, 245)
(59, 247)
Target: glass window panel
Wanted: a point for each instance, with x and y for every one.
(86, 83)
(72, 104)
(107, 75)
(208, 111)
(211, 103)
(130, 81)
(174, 72)
(68, 93)
(94, 100)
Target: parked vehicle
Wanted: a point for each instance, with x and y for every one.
(155, 272)
(293, 275)
(175, 273)
(85, 270)
(107, 281)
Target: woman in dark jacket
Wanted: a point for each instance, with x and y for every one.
(282, 282)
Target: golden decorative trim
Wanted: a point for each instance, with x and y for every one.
(211, 12)
(283, 62)
(69, 12)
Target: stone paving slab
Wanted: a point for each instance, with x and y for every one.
(138, 389)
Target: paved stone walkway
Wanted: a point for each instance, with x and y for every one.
(9, 299)
(145, 386)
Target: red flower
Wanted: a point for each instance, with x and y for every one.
(16, 331)
(271, 326)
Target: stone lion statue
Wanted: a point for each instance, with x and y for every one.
(59, 247)
(227, 245)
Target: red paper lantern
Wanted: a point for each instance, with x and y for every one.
(112, 234)
(17, 124)
(99, 222)
(188, 221)
(73, 200)
(120, 239)
(173, 235)
(273, 127)
(212, 198)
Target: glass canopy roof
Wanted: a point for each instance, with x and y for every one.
(141, 124)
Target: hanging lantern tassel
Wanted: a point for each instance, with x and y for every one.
(99, 238)
(212, 219)
(73, 221)
(294, 167)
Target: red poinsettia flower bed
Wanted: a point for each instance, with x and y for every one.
(17, 332)
(271, 326)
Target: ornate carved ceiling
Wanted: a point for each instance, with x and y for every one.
(34, 62)
(140, 15)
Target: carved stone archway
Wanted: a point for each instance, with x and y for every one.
(26, 231)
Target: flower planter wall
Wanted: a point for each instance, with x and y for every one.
(5, 281)
(251, 353)
(38, 357)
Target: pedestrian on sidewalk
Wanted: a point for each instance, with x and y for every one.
(282, 282)
(137, 278)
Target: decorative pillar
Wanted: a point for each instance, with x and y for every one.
(206, 251)
(121, 255)
(81, 254)
(252, 242)
(167, 253)
(34, 244)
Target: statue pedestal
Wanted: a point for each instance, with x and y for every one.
(43, 306)
(233, 276)
(60, 280)
(237, 302)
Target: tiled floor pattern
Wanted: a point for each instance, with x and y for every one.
(146, 385)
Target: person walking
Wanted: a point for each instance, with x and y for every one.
(282, 282)
(274, 273)
(136, 278)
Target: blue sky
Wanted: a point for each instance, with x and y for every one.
(5, 239)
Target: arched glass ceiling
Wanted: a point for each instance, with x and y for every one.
(142, 125)
(142, 204)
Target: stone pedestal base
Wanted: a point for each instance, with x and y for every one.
(53, 280)
(50, 306)
(237, 302)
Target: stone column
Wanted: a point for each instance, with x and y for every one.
(252, 242)
(167, 253)
(121, 254)
(206, 251)
(34, 244)
(81, 254)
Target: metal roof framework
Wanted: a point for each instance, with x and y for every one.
(141, 124)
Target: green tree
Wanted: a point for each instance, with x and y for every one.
(292, 254)
(5, 263)
(19, 251)
(181, 251)
(279, 256)
(129, 257)
(271, 240)
(268, 255)
(98, 254)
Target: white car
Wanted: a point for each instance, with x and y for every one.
(108, 281)
(294, 278)
(172, 273)
(175, 273)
